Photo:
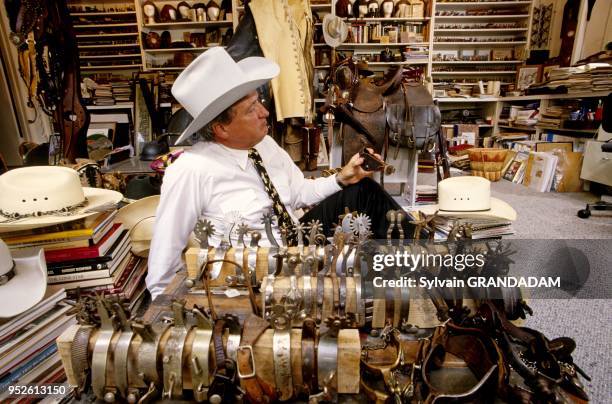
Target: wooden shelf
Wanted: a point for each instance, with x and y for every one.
(392, 19)
(477, 30)
(382, 45)
(115, 56)
(404, 63)
(474, 73)
(518, 127)
(475, 62)
(187, 24)
(119, 105)
(566, 130)
(172, 50)
(481, 17)
(112, 25)
(103, 13)
(477, 4)
(471, 99)
(505, 43)
(320, 6)
(112, 67)
(118, 35)
(555, 96)
(107, 46)
(166, 68)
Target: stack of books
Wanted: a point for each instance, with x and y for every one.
(552, 117)
(482, 227)
(28, 353)
(87, 256)
(103, 95)
(122, 91)
(426, 194)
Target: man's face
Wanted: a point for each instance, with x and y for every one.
(249, 124)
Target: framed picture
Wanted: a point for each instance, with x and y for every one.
(439, 93)
(527, 75)
(546, 71)
(502, 54)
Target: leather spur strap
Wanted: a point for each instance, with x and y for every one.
(480, 353)
(309, 355)
(257, 390)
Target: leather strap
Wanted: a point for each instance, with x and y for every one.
(309, 355)
(479, 352)
(218, 344)
(257, 390)
(389, 305)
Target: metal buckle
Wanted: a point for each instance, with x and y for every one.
(252, 357)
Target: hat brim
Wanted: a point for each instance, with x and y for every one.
(27, 287)
(134, 213)
(258, 70)
(499, 210)
(96, 198)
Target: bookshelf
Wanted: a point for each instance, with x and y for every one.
(488, 38)
(107, 37)
(169, 45)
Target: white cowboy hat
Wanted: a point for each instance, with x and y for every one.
(468, 196)
(41, 196)
(335, 30)
(214, 81)
(139, 218)
(23, 280)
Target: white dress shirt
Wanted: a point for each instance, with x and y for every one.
(219, 184)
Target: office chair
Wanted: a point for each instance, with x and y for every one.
(600, 171)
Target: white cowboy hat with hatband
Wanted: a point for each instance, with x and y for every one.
(335, 30)
(32, 197)
(214, 81)
(468, 196)
(23, 280)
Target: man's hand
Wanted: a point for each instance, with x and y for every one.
(352, 172)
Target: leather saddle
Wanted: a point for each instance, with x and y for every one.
(364, 106)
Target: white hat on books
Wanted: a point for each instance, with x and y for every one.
(139, 218)
(41, 196)
(23, 280)
(468, 196)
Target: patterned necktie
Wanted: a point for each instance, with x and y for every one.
(284, 220)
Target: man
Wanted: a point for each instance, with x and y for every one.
(227, 178)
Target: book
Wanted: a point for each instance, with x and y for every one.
(20, 334)
(128, 277)
(19, 371)
(97, 250)
(88, 228)
(540, 171)
(124, 270)
(516, 167)
(95, 274)
(112, 258)
(51, 299)
(19, 354)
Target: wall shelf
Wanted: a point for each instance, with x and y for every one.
(187, 24)
(472, 73)
(481, 17)
(474, 62)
